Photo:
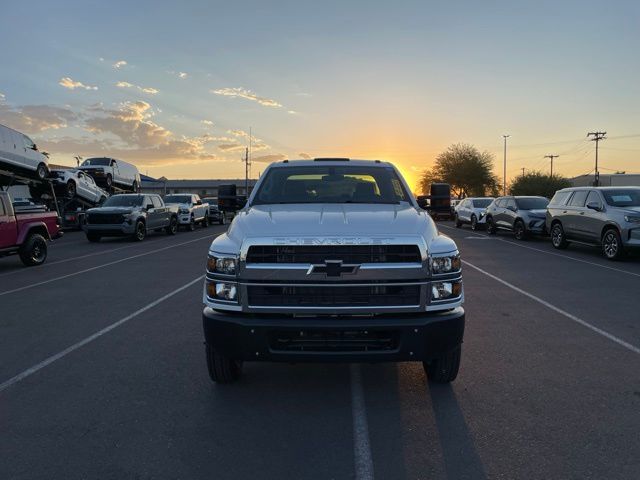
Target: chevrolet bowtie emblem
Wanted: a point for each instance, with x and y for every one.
(333, 268)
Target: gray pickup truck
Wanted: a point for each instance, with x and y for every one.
(332, 260)
(131, 215)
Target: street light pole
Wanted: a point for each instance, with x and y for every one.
(504, 170)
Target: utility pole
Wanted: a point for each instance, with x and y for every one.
(246, 171)
(523, 171)
(551, 157)
(504, 171)
(597, 136)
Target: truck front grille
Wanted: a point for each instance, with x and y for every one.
(333, 341)
(356, 254)
(105, 218)
(336, 296)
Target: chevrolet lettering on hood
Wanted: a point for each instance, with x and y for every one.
(333, 260)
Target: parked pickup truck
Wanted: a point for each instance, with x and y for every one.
(332, 260)
(191, 209)
(27, 232)
(130, 215)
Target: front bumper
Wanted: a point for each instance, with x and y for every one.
(537, 226)
(117, 230)
(184, 218)
(381, 338)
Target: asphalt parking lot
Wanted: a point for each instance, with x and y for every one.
(103, 375)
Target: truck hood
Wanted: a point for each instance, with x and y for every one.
(330, 220)
(123, 210)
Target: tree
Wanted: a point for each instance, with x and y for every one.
(538, 183)
(465, 168)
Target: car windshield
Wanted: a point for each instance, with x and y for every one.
(177, 199)
(330, 184)
(482, 202)
(96, 161)
(629, 197)
(532, 203)
(124, 201)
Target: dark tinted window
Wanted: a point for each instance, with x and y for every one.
(511, 203)
(578, 198)
(177, 199)
(97, 161)
(593, 197)
(481, 202)
(532, 203)
(624, 197)
(124, 201)
(559, 198)
(330, 184)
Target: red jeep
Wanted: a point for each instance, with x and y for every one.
(26, 232)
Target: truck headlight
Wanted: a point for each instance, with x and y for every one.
(444, 290)
(222, 291)
(224, 265)
(445, 264)
(632, 218)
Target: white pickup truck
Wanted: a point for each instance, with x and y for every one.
(191, 209)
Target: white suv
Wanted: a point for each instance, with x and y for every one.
(18, 152)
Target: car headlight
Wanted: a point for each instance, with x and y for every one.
(445, 290)
(220, 264)
(445, 264)
(222, 291)
(632, 218)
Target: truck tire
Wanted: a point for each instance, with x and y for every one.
(519, 230)
(172, 229)
(205, 221)
(192, 224)
(558, 238)
(222, 369)
(34, 250)
(71, 189)
(611, 243)
(92, 237)
(444, 369)
(140, 231)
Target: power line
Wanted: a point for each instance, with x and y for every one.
(597, 136)
(551, 157)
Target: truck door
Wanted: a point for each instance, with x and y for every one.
(8, 228)
(161, 211)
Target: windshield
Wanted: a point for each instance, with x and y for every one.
(124, 201)
(331, 184)
(96, 161)
(482, 202)
(177, 199)
(629, 197)
(532, 203)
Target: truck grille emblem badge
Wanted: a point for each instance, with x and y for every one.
(333, 268)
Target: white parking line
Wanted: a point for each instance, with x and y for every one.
(555, 254)
(39, 366)
(550, 306)
(79, 272)
(361, 447)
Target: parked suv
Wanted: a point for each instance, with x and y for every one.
(333, 260)
(110, 173)
(131, 215)
(472, 211)
(191, 209)
(27, 231)
(605, 216)
(521, 215)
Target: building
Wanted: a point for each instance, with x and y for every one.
(204, 188)
(608, 180)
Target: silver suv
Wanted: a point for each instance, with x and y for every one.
(521, 215)
(605, 216)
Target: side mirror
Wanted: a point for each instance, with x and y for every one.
(199, 202)
(423, 202)
(594, 206)
(150, 206)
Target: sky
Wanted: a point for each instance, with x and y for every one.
(175, 88)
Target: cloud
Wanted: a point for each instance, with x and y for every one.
(35, 118)
(239, 92)
(182, 75)
(67, 82)
(238, 133)
(207, 122)
(230, 147)
(306, 156)
(119, 64)
(2, 97)
(274, 157)
(149, 90)
(292, 112)
(101, 59)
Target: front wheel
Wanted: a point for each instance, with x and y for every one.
(519, 230)
(221, 368)
(34, 250)
(71, 189)
(474, 223)
(140, 231)
(444, 369)
(192, 224)
(42, 171)
(558, 238)
(491, 226)
(172, 229)
(205, 221)
(612, 244)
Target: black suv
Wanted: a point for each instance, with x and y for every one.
(521, 215)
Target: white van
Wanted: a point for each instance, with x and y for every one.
(19, 154)
(109, 173)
